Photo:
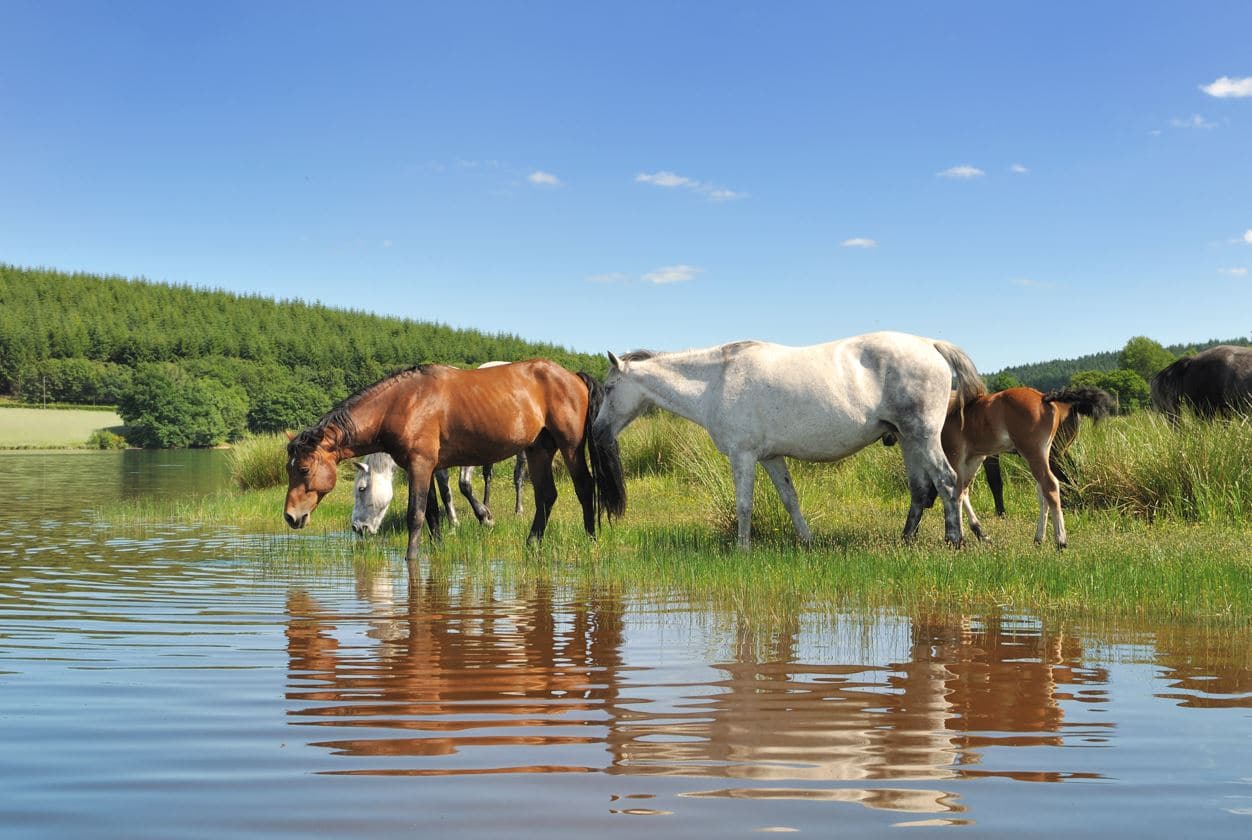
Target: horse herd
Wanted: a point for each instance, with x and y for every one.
(760, 403)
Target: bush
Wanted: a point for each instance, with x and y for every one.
(285, 404)
(105, 439)
(167, 407)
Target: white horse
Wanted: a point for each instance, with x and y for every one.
(761, 402)
(373, 491)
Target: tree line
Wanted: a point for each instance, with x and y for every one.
(1124, 374)
(196, 367)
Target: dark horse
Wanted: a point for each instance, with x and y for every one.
(432, 416)
(1217, 381)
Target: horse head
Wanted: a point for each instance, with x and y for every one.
(373, 492)
(625, 398)
(312, 459)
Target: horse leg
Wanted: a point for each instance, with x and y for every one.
(432, 512)
(777, 470)
(974, 524)
(743, 467)
(466, 485)
(539, 458)
(584, 484)
(1049, 490)
(419, 492)
(995, 480)
(519, 473)
(929, 471)
(488, 474)
(445, 493)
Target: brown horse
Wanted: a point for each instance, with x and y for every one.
(1028, 422)
(432, 416)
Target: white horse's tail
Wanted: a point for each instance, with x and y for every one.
(968, 383)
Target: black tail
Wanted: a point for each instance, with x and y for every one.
(606, 462)
(1095, 403)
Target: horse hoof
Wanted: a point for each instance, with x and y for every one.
(1061, 546)
(489, 521)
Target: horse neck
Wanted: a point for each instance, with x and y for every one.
(367, 415)
(678, 383)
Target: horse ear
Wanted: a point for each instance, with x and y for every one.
(614, 361)
(363, 467)
(289, 435)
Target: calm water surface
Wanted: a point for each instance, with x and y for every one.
(176, 682)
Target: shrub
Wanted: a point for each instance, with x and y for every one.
(167, 407)
(105, 439)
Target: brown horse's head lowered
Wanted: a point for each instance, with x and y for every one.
(312, 459)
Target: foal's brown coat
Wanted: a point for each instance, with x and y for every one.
(431, 417)
(1027, 421)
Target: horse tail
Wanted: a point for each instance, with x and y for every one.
(969, 384)
(1166, 388)
(606, 461)
(1095, 403)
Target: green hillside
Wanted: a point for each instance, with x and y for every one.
(112, 321)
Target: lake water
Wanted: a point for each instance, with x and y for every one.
(174, 682)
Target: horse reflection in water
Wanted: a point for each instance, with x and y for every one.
(460, 680)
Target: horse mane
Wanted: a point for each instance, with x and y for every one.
(639, 355)
(340, 417)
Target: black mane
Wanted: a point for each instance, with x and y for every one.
(340, 417)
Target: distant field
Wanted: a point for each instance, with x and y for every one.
(51, 428)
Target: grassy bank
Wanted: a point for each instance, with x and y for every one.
(22, 427)
(1168, 556)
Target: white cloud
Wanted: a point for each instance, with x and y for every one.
(963, 171)
(1193, 121)
(1031, 284)
(670, 180)
(859, 242)
(671, 274)
(1228, 88)
(1235, 271)
(1019, 169)
(543, 179)
(664, 178)
(1247, 236)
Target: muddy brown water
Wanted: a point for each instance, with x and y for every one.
(173, 682)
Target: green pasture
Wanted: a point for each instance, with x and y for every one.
(51, 428)
(1165, 532)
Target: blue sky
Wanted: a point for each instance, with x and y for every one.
(1030, 181)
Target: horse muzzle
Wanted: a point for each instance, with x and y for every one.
(296, 521)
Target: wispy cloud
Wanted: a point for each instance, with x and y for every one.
(671, 180)
(859, 242)
(1233, 271)
(963, 171)
(608, 277)
(1019, 169)
(671, 274)
(1030, 283)
(1247, 236)
(1229, 88)
(658, 277)
(543, 179)
(1193, 121)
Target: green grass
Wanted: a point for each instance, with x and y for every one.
(60, 428)
(677, 538)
